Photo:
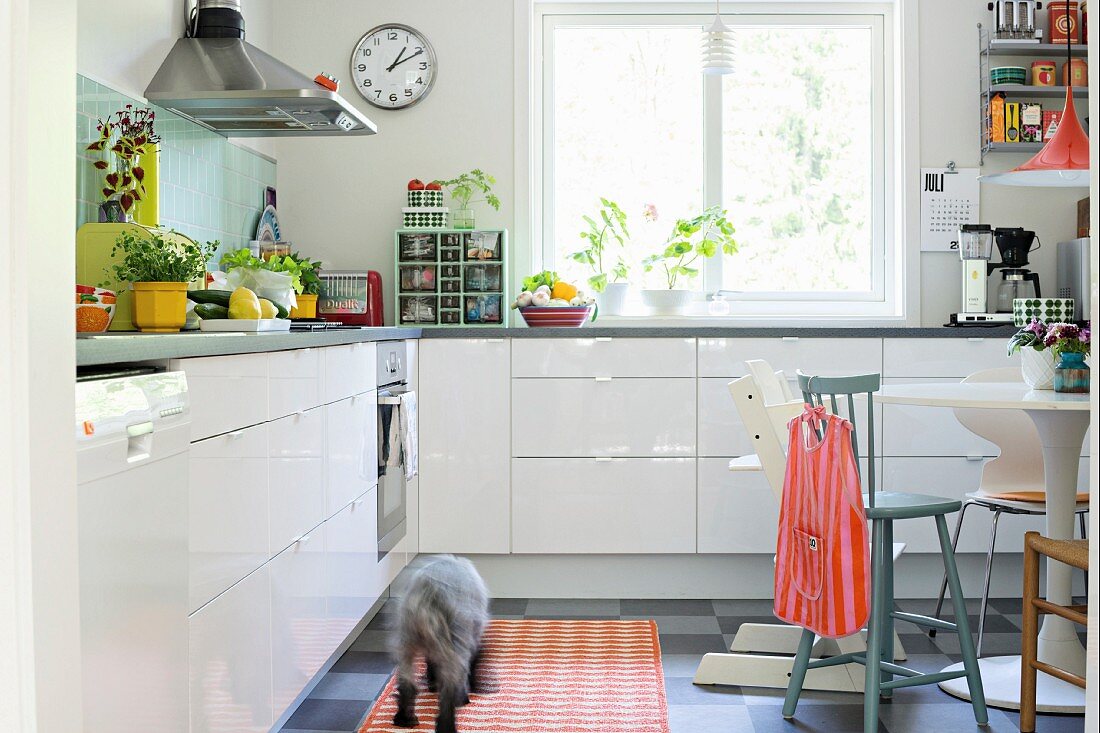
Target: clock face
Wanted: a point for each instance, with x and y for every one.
(393, 66)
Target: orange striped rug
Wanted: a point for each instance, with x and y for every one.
(554, 677)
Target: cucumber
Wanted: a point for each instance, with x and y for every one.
(211, 311)
(282, 310)
(216, 297)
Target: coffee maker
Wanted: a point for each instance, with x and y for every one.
(976, 252)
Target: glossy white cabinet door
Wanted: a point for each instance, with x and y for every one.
(294, 381)
(348, 370)
(351, 449)
(929, 431)
(465, 431)
(738, 512)
(300, 642)
(352, 584)
(230, 665)
(603, 417)
(620, 505)
(296, 446)
(944, 357)
(229, 507)
(227, 392)
(603, 357)
(837, 356)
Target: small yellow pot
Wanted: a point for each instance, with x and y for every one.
(306, 308)
(160, 307)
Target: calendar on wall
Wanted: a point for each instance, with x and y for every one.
(948, 199)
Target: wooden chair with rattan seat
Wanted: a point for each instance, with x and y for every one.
(1071, 552)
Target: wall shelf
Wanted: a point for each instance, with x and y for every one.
(1023, 48)
(1028, 91)
(1030, 148)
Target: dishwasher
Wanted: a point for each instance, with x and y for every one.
(133, 430)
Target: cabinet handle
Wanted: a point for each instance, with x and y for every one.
(300, 413)
(790, 338)
(603, 339)
(976, 340)
(236, 434)
(303, 539)
(356, 502)
(603, 459)
(604, 379)
(494, 341)
(974, 458)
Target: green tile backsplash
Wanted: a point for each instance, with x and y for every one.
(209, 188)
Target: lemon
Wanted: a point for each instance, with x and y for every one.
(268, 309)
(243, 303)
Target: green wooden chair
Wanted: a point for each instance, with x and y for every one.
(883, 508)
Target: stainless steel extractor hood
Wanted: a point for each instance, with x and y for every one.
(233, 88)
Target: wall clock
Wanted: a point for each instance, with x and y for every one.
(393, 66)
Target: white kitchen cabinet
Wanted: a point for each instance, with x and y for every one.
(351, 449)
(721, 357)
(929, 431)
(944, 357)
(230, 659)
(229, 509)
(296, 451)
(227, 392)
(348, 370)
(603, 357)
(294, 381)
(604, 416)
(465, 431)
(300, 642)
(352, 584)
(738, 511)
(619, 505)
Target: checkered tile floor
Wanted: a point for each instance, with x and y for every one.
(688, 629)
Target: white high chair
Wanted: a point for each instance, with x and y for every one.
(762, 655)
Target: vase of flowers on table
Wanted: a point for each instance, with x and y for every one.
(124, 137)
(1042, 346)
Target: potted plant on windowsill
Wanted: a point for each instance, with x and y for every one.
(702, 237)
(463, 188)
(609, 278)
(160, 265)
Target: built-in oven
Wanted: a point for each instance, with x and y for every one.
(396, 418)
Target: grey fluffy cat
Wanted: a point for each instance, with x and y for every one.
(441, 618)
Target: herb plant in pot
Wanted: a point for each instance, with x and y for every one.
(308, 277)
(463, 188)
(160, 265)
(610, 268)
(702, 237)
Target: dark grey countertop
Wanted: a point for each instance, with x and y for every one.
(721, 332)
(132, 347)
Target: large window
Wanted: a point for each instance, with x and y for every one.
(792, 146)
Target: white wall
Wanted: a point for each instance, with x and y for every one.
(39, 600)
(121, 43)
(340, 200)
(949, 131)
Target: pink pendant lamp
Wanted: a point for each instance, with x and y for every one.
(1064, 160)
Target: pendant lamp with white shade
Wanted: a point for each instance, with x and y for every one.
(1063, 162)
(718, 46)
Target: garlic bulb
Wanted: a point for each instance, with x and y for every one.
(540, 298)
(524, 299)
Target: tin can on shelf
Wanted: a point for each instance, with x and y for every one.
(1075, 72)
(1063, 21)
(1043, 73)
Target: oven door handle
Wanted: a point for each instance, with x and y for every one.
(391, 396)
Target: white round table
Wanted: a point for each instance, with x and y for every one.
(1062, 420)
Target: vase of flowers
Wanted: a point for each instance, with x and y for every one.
(1070, 345)
(126, 136)
(1041, 346)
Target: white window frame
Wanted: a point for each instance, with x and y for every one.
(895, 273)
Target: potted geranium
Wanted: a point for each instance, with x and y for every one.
(610, 270)
(463, 188)
(160, 265)
(127, 135)
(702, 237)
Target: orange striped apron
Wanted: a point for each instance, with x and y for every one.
(822, 568)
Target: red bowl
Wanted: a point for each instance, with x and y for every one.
(556, 316)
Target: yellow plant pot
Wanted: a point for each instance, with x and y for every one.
(306, 308)
(160, 307)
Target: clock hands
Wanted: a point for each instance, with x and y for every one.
(397, 60)
(401, 60)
